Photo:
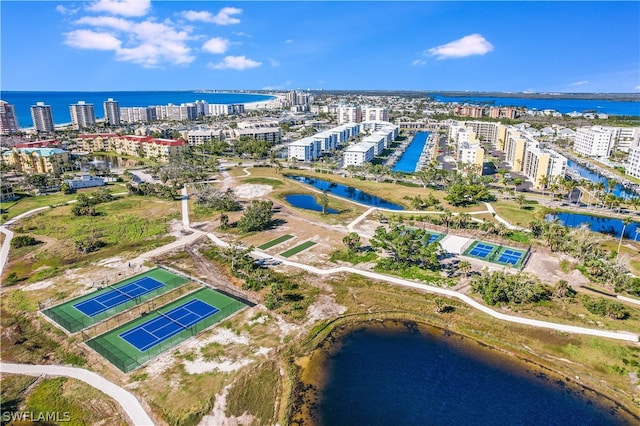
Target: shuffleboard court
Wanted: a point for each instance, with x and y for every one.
(117, 296)
(275, 242)
(84, 311)
(132, 344)
(297, 249)
(168, 324)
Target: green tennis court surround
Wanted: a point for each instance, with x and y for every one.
(84, 311)
(127, 353)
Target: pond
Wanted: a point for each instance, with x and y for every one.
(347, 192)
(605, 225)
(307, 202)
(415, 375)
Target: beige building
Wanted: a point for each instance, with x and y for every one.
(514, 148)
(539, 164)
(36, 160)
(137, 146)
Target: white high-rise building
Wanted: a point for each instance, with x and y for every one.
(111, 112)
(633, 162)
(370, 113)
(82, 115)
(42, 117)
(8, 120)
(349, 114)
(593, 141)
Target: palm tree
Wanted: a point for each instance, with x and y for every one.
(625, 221)
(464, 267)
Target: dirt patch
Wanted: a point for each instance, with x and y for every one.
(218, 416)
(546, 266)
(324, 308)
(248, 190)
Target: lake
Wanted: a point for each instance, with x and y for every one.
(419, 375)
(600, 224)
(307, 202)
(347, 192)
(409, 158)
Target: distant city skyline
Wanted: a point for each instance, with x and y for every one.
(449, 46)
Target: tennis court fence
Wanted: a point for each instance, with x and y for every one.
(74, 322)
(126, 360)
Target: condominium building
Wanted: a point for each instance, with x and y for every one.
(182, 112)
(514, 148)
(594, 141)
(306, 149)
(42, 117)
(82, 115)
(469, 153)
(349, 114)
(139, 146)
(224, 109)
(624, 138)
(138, 114)
(198, 137)
(8, 120)
(111, 112)
(633, 162)
(543, 163)
(371, 113)
(358, 154)
(268, 134)
(36, 160)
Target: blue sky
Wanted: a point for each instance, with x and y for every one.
(169, 45)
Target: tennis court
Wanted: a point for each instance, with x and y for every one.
(434, 237)
(117, 296)
(136, 342)
(510, 256)
(84, 311)
(168, 324)
(481, 250)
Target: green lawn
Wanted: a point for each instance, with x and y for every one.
(74, 320)
(275, 242)
(297, 249)
(127, 357)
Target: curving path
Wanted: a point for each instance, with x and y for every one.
(130, 405)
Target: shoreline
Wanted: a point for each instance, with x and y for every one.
(310, 375)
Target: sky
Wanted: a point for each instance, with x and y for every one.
(105, 45)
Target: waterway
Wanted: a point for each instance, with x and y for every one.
(347, 192)
(618, 190)
(404, 374)
(408, 161)
(604, 225)
(307, 202)
(561, 105)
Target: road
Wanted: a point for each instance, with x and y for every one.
(130, 405)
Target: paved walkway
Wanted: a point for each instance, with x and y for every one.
(130, 405)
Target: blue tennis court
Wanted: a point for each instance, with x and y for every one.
(168, 324)
(510, 256)
(432, 238)
(481, 250)
(117, 296)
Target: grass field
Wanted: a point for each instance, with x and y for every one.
(297, 249)
(74, 320)
(127, 357)
(275, 242)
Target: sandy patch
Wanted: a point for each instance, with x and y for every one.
(199, 365)
(324, 308)
(38, 286)
(249, 190)
(218, 416)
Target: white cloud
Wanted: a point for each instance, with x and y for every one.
(223, 17)
(288, 41)
(146, 42)
(235, 62)
(87, 39)
(637, 88)
(473, 44)
(274, 62)
(241, 34)
(66, 10)
(418, 62)
(579, 83)
(216, 45)
(122, 7)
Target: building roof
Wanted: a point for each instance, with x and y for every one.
(42, 152)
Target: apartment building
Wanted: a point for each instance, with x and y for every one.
(8, 120)
(633, 162)
(138, 114)
(197, 137)
(469, 153)
(138, 146)
(224, 109)
(111, 112)
(42, 117)
(358, 154)
(514, 149)
(268, 134)
(306, 149)
(371, 113)
(540, 163)
(36, 160)
(82, 115)
(349, 114)
(624, 138)
(594, 141)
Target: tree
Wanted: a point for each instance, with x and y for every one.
(464, 267)
(625, 221)
(406, 247)
(324, 201)
(352, 241)
(257, 216)
(563, 289)
(224, 221)
(65, 188)
(521, 200)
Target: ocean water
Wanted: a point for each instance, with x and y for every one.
(563, 106)
(60, 101)
(411, 377)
